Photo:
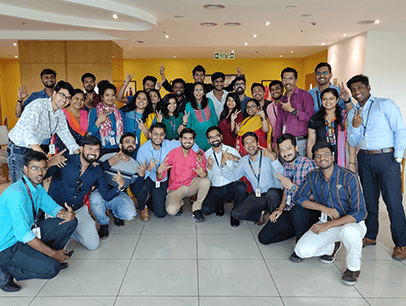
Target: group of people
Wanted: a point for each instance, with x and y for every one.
(292, 159)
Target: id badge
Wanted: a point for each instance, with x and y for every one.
(136, 140)
(112, 141)
(257, 192)
(323, 218)
(37, 232)
(157, 184)
(284, 129)
(52, 149)
(288, 200)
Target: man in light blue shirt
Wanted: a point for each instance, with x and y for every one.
(323, 75)
(259, 167)
(377, 127)
(30, 248)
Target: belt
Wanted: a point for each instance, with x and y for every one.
(387, 150)
(17, 149)
(301, 137)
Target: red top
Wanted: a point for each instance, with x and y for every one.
(225, 127)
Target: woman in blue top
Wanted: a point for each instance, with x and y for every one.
(202, 115)
(106, 121)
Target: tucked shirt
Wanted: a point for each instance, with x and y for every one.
(147, 152)
(128, 170)
(33, 96)
(182, 172)
(295, 125)
(382, 127)
(16, 214)
(218, 105)
(38, 122)
(64, 183)
(297, 173)
(267, 178)
(316, 95)
(342, 192)
(218, 175)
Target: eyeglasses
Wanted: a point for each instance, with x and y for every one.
(251, 106)
(214, 137)
(239, 84)
(319, 155)
(79, 183)
(63, 97)
(320, 73)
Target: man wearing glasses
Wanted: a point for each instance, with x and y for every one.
(323, 75)
(39, 121)
(74, 180)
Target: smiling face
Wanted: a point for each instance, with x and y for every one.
(199, 76)
(258, 93)
(360, 92)
(89, 84)
(178, 89)
(109, 97)
(276, 91)
(252, 108)
(218, 84)
(128, 145)
(198, 92)
(35, 171)
(78, 100)
(239, 87)
(323, 158)
(251, 145)
(230, 103)
(329, 101)
(215, 138)
(90, 153)
(60, 99)
(289, 81)
(172, 105)
(323, 75)
(187, 141)
(149, 85)
(141, 101)
(48, 80)
(288, 151)
(153, 97)
(157, 136)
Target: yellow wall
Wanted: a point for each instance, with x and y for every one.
(311, 61)
(9, 82)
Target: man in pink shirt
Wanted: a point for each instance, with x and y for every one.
(188, 176)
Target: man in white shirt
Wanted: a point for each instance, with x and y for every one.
(218, 95)
(222, 189)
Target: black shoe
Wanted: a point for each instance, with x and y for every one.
(331, 258)
(7, 283)
(104, 231)
(350, 278)
(64, 265)
(234, 222)
(295, 258)
(198, 216)
(118, 221)
(179, 212)
(220, 210)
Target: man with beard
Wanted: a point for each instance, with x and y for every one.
(289, 220)
(276, 92)
(74, 180)
(48, 78)
(239, 88)
(218, 95)
(258, 93)
(178, 87)
(150, 155)
(91, 97)
(148, 83)
(336, 193)
(222, 189)
(259, 168)
(23, 253)
(323, 75)
(122, 206)
(188, 176)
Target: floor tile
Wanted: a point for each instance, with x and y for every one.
(279, 250)
(240, 301)
(157, 301)
(170, 225)
(77, 301)
(98, 277)
(221, 225)
(386, 242)
(132, 227)
(15, 301)
(114, 247)
(161, 278)
(227, 247)
(380, 278)
(310, 278)
(387, 302)
(373, 253)
(235, 278)
(166, 247)
(306, 301)
(30, 288)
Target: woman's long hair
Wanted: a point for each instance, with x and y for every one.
(320, 120)
(193, 101)
(165, 103)
(237, 106)
(132, 106)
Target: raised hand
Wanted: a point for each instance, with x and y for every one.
(357, 120)
(285, 181)
(128, 77)
(57, 160)
(224, 157)
(159, 115)
(151, 164)
(142, 168)
(163, 166)
(239, 71)
(141, 125)
(344, 94)
(237, 128)
(22, 93)
(158, 85)
(287, 107)
(114, 160)
(119, 179)
(186, 117)
(199, 156)
(199, 170)
(268, 152)
(234, 115)
(210, 163)
(161, 69)
(104, 117)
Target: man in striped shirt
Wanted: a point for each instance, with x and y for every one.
(336, 193)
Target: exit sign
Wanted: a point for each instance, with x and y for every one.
(224, 55)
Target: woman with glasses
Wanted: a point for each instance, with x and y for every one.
(329, 125)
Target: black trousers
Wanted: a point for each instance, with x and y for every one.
(235, 191)
(291, 223)
(24, 262)
(381, 172)
(250, 209)
(158, 196)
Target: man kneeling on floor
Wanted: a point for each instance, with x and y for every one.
(30, 248)
(336, 193)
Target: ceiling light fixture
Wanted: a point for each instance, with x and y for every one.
(366, 22)
(291, 51)
(255, 35)
(178, 16)
(232, 24)
(174, 56)
(246, 44)
(322, 43)
(267, 23)
(208, 24)
(16, 56)
(115, 16)
(280, 55)
(291, 6)
(344, 35)
(213, 6)
(306, 15)
(14, 44)
(376, 21)
(232, 51)
(166, 36)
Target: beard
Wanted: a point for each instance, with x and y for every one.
(187, 146)
(50, 86)
(216, 144)
(239, 91)
(292, 158)
(128, 152)
(90, 161)
(278, 97)
(89, 90)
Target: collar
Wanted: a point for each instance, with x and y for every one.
(30, 185)
(295, 163)
(49, 104)
(318, 89)
(369, 101)
(295, 91)
(333, 175)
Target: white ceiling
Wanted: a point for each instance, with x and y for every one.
(149, 22)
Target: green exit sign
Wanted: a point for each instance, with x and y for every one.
(224, 55)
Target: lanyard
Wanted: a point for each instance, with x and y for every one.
(32, 202)
(215, 157)
(173, 124)
(49, 122)
(318, 99)
(160, 155)
(274, 110)
(366, 123)
(259, 168)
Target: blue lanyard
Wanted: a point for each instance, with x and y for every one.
(259, 168)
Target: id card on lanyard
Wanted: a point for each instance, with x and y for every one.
(35, 228)
(257, 190)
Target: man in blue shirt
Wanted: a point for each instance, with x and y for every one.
(377, 127)
(259, 168)
(72, 182)
(336, 193)
(48, 78)
(30, 248)
(323, 75)
(239, 86)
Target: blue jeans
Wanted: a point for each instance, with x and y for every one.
(15, 160)
(122, 207)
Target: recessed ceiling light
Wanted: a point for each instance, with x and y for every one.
(166, 36)
(365, 22)
(280, 55)
(344, 35)
(232, 51)
(255, 35)
(174, 56)
(213, 6)
(267, 23)
(115, 16)
(113, 56)
(306, 15)
(178, 16)
(232, 24)
(291, 51)
(16, 56)
(291, 6)
(208, 24)
(377, 21)
(14, 44)
(322, 43)
(246, 44)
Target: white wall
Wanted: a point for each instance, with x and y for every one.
(347, 57)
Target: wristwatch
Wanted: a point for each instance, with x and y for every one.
(293, 188)
(398, 159)
(294, 113)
